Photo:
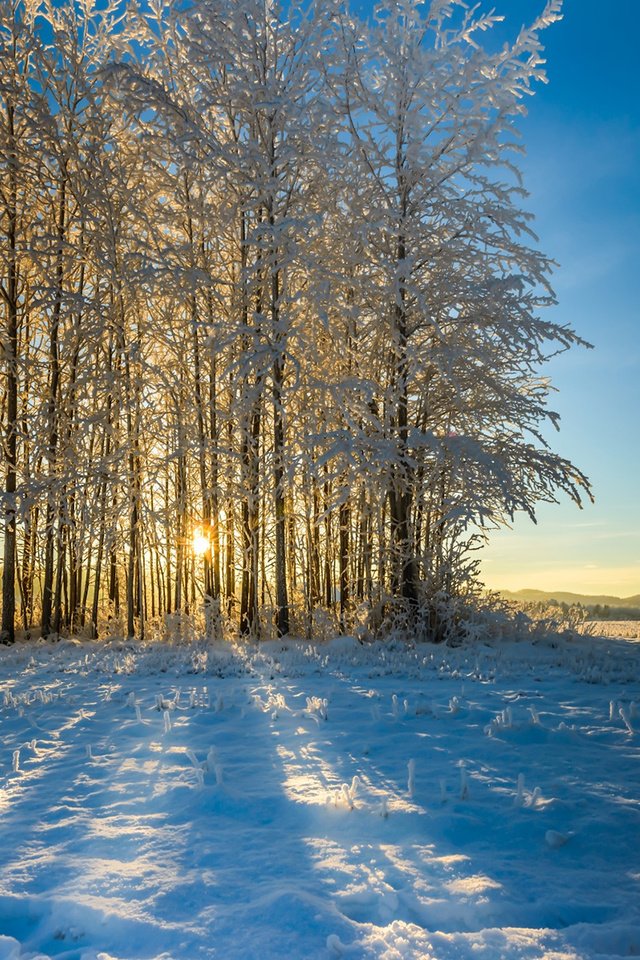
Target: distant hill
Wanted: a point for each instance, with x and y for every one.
(562, 596)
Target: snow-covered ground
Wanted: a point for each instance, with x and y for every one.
(290, 802)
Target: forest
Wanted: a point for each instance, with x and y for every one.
(273, 313)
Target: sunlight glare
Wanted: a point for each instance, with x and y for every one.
(200, 543)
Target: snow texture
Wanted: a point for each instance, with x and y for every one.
(179, 802)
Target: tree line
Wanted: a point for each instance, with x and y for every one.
(271, 311)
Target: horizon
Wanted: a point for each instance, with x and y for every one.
(575, 593)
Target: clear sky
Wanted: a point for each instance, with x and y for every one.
(583, 173)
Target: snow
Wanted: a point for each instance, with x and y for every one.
(345, 800)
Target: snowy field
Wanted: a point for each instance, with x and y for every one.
(289, 802)
(614, 628)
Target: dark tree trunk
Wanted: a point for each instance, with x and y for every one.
(10, 296)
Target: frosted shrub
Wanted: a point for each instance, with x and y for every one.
(214, 624)
(181, 627)
(317, 707)
(547, 621)
(324, 625)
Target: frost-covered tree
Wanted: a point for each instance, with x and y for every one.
(269, 295)
(446, 278)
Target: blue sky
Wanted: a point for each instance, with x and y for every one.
(583, 172)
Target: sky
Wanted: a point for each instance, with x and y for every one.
(582, 170)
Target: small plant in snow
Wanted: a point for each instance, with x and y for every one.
(346, 795)
(198, 767)
(535, 798)
(317, 707)
(464, 784)
(503, 721)
(626, 718)
(555, 839)
(411, 780)
(210, 762)
(519, 797)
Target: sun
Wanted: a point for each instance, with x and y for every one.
(200, 543)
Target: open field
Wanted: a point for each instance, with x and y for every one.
(285, 801)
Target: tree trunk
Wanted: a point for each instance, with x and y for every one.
(51, 616)
(10, 296)
(345, 524)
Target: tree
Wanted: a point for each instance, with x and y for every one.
(266, 281)
(451, 290)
